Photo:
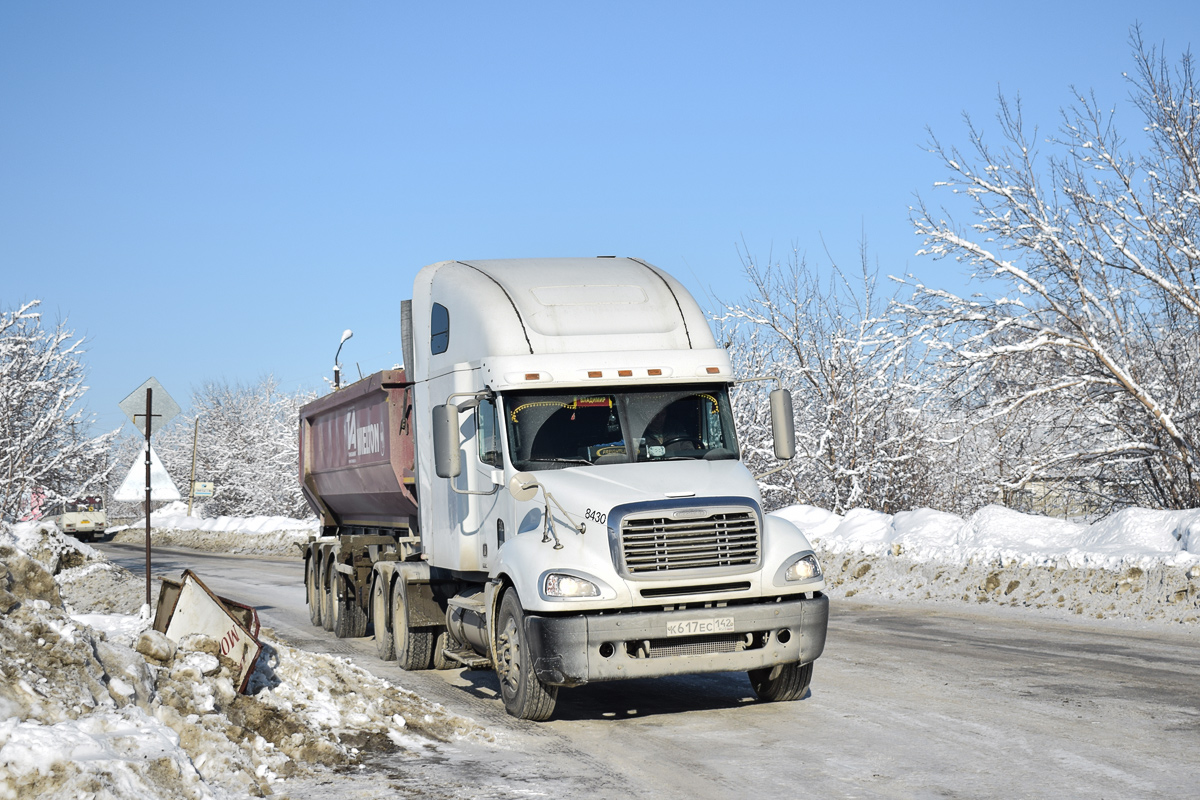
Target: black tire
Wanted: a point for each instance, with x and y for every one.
(385, 644)
(414, 648)
(790, 684)
(313, 590)
(351, 618)
(329, 606)
(525, 696)
(440, 643)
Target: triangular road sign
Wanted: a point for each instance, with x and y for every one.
(133, 488)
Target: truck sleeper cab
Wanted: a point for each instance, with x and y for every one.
(584, 514)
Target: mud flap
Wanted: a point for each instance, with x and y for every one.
(558, 649)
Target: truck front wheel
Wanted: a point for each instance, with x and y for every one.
(782, 683)
(414, 648)
(525, 696)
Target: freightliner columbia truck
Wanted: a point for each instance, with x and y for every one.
(551, 487)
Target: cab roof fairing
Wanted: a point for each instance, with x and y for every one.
(553, 306)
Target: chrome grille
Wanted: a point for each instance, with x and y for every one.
(723, 541)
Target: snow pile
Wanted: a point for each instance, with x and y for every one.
(171, 526)
(1137, 563)
(94, 704)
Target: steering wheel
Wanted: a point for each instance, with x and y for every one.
(692, 440)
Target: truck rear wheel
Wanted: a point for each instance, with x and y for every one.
(525, 696)
(441, 643)
(782, 683)
(385, 644)
(414, 648)
(313, 590)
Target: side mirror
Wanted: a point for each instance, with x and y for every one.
(447, 460)
(783, 424)
(522, 486)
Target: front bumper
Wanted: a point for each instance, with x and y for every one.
(574, 650)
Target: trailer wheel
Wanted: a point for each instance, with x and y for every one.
(385, 644)
(525, 696)
(311, 584)
(781, 683)
(414, 648)
(329, 606)
(351, 618)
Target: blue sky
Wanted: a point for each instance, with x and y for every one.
(215, 191)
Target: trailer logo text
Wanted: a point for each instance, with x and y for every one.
(362, 440)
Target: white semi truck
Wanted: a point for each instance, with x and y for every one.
(552, 487)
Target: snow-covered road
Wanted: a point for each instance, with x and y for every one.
(909, 700)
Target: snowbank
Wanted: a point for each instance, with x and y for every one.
(171, 526)
(91, 704)
(1137, 563)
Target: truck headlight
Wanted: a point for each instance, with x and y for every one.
(804, 568)
(559, 584)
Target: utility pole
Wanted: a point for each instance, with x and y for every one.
(192, 482)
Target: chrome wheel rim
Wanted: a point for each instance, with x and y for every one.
(508, 646)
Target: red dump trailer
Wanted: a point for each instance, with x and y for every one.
(357, 471)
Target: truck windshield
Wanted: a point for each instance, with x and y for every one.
(554, 430)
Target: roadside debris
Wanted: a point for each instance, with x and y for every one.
(189, 608)
(101, 705)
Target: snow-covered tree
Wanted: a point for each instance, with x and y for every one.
(45, 446)
(1082, 339)
(247, 446)
(862, 410)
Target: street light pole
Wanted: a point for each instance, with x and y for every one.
(337, 368)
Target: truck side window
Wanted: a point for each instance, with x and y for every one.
(488, 434)
(439, 326)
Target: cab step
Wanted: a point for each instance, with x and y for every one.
(468, 658)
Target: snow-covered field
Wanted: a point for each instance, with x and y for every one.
(94, 705)
(1137, 564)
(171, 526)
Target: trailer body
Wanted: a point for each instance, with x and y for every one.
(552, 487)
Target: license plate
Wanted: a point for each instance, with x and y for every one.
(700, 627)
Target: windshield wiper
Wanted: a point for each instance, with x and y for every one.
(582, 461)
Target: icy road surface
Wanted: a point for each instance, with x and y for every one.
(912, 701)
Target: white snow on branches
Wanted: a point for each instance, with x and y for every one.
(45, 449)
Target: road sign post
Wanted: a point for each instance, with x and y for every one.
(168, 409)
(149, 418)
